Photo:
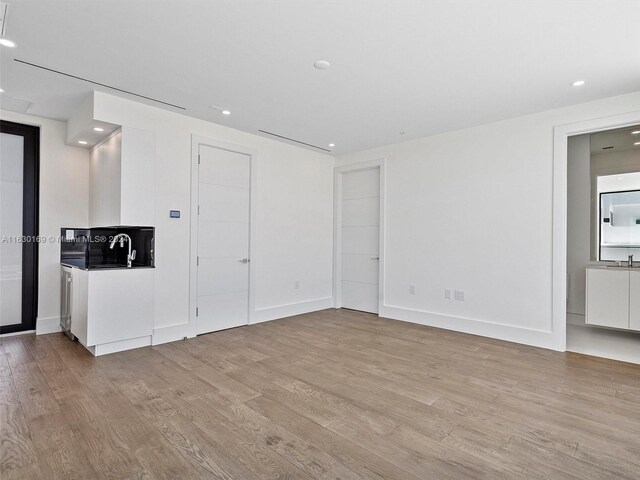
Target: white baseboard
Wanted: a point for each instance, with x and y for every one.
(122, 345)
(509, 333)
(47, 325)
(290, 309)
(25, 332)
(172, 333)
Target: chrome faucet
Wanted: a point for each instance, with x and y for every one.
(630, 261)
(121, 237)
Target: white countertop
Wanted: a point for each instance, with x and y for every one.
(614, 266)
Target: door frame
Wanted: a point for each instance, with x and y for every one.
(196, 142)
(338, 173)
(30, 222)
(561, 134)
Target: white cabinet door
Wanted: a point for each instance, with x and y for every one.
(120, 304)
(634, 300)
(360, 240)
(608, 297)
(223, 239)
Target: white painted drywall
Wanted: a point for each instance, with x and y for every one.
(64, 202)
(137, 177)
(578, 221)
(122, 179)
(472, 210)
(105, 184)
(294, 209)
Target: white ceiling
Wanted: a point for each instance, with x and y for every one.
(621, 139)
(417, 66)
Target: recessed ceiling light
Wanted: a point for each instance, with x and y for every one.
(6, 42)
(322, 64)
(635, 132)
(226, 112)
(578, 83)
(332, 144)
(1, 90)
(98, 129)
(637, 143)
(82, 142)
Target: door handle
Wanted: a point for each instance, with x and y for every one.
(375, 258)
(244, 260)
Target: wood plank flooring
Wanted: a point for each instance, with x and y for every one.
(332, 394)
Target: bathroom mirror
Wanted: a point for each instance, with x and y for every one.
(619, 221)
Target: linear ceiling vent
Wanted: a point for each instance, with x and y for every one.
(3, 16)
(98, 83)
(294, 141)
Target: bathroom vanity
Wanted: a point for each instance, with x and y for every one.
(613, 296)
(108, 287)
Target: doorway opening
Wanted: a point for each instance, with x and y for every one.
(359, 237)
(603, 237)
(221, 224)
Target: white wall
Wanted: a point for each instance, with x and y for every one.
(578, 222)
(293, 234)
(104, 183)
(64, 202)
(472, 210)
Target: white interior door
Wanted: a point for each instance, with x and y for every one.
(224, 188)
(360, 239)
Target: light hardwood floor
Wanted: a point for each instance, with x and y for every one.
(333, 394)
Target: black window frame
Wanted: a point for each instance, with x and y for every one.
(30, 226)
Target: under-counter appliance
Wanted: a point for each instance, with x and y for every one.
(65, 302)
(94, 248)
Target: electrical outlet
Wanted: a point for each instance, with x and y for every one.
(458, 295)
(412, 289)
(447, 293)
(296, 285)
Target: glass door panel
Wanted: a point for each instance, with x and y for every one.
(11, 202)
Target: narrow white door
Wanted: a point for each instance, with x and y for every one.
(223, 239)
(360, 239)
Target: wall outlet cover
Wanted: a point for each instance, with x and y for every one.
(447, 293)
(458, 295)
